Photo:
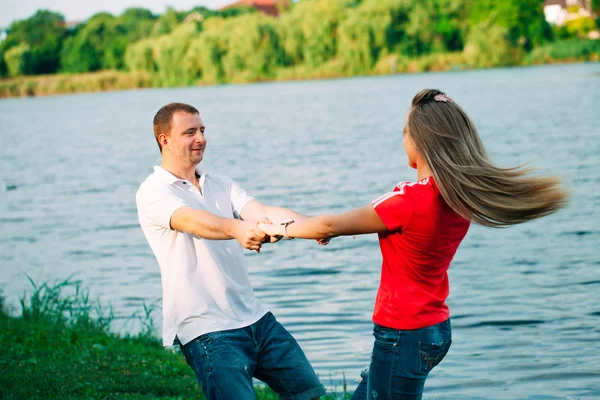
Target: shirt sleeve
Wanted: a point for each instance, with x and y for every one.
(239, 197)
(156, 206)
(395, 209)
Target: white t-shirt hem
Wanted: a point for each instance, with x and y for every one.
(187, 335)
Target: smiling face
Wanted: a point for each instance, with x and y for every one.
(186, 142)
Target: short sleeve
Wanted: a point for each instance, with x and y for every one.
(157, 205)
(239, 197)
(395, 209)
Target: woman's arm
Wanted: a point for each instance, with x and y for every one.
(356, 222)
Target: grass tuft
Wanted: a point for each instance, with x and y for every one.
(61, 347)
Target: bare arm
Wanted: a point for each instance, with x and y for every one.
(356, 222)
(209, 226)
(256, 211)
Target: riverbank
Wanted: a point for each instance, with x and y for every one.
(61, 347)
(567, 51)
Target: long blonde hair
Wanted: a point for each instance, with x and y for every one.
(467, 179)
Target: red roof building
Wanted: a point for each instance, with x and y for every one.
(268, 7)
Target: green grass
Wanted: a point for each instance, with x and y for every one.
(564, 50)
(101, 81)
(61, 347)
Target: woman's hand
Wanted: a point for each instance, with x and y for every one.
(275, 231)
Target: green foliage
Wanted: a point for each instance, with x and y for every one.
(365, 34)
(523, 19)
(167, 22)
(101, 42)
(489, 45)
(311, 39)
(253, 47)
(570, 50)
(580, 26)
(96, 45)
(43, 33)
(318, 21)
(205, 56)
(227, 13)
(137, 23)
(19, 60)
(3, 70)
(138, 56)
(167, 53)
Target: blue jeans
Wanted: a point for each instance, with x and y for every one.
(226, 361)
(401, 361)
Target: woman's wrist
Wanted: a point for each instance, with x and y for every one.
(284, 227)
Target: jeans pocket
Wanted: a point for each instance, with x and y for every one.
(430, 354)
(385, 337)
(199, 347)
(208, 338)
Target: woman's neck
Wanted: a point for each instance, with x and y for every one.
(423, 171)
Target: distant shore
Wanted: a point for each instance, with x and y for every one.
(105, 81)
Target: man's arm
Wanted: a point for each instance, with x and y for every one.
(209, 226)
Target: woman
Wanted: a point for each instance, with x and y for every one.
(420, 227)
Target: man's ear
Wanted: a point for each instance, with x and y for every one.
(163, 139)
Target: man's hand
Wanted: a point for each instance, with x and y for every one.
(324, 242)
(250, 236)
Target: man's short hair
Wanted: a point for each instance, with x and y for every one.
(164, 118)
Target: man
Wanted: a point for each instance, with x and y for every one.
(197, 224)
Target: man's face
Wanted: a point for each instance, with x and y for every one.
(187, 142)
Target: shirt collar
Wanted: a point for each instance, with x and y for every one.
(170, 178)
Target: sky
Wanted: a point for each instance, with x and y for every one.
(78, 10)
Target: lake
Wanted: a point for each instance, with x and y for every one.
(525, 301)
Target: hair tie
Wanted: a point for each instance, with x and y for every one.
(443, 98)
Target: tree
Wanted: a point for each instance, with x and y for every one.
(44, 33)
(100, 43)
(488, 44)
(318, 21)
(368, 31)
(19, 60)
(167, 22)
(137, 23)
(84, 52)
(524, 20)
(3, 70)
(253, 47)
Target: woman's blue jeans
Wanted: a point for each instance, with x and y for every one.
(401, 361)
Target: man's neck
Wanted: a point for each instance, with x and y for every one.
(187, 172)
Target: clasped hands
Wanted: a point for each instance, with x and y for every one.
(254, 235)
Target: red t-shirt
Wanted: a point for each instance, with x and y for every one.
(424, 233)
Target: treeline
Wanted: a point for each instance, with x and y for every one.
(310, 38)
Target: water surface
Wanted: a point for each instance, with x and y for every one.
(525, 301)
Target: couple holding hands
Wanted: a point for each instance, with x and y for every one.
(198, 224)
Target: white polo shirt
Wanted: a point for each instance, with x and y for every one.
(205, 283)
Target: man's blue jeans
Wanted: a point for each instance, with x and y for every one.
(401, 361)
(226, 361)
